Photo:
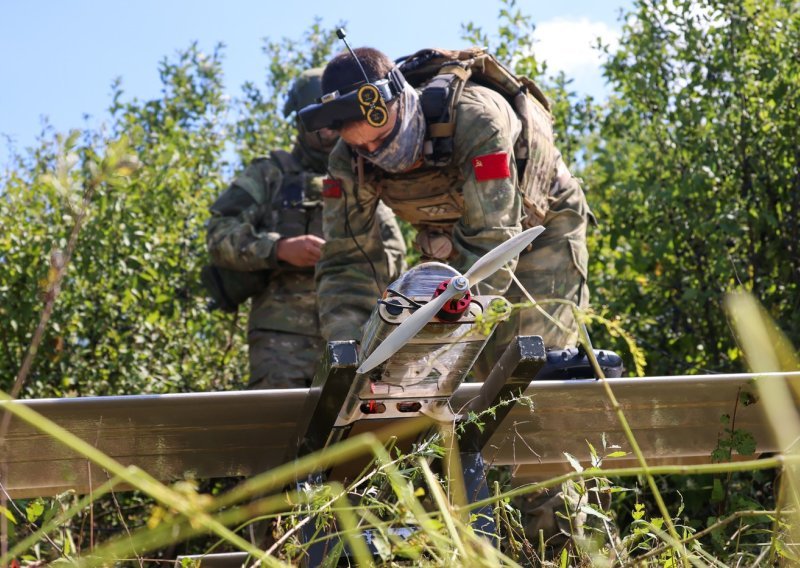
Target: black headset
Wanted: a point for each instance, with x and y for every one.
(362, 100)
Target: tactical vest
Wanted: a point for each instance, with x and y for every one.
(297, 205)
(440, 76)
(295, 209)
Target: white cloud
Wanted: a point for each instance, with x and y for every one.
(569, 45)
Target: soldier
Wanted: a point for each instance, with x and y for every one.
(461, 209)
(268, 225)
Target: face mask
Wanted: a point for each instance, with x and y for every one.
(403, 147)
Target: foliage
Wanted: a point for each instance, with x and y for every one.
(696, 179)
(513, 44)
(130, 318)
(261, 124)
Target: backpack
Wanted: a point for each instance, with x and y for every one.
(441, 74)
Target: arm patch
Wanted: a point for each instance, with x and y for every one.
(331, 188)
(491, 166)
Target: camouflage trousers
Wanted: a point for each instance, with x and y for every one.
(282, 360)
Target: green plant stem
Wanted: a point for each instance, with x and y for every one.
(278, 478)
(135, 477)
(443, 505)
(586, 342)
(57, 520)
(700, 534)
(51, 295)
(674, 545)
(353, 536)
(342, 452)
(167, 533)
(651, 482)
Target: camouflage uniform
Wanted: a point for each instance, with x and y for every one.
(279, 197)
(268, 202)
(475, 215)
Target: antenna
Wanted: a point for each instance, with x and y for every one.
(341, 34)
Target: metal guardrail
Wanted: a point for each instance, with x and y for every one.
(243, 433)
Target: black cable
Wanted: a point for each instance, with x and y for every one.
(349, 230)
(413, 303)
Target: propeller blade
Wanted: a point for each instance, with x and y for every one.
(493, 260)
(483, 268)
(409, 328)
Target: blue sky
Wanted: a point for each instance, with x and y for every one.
(58, 58)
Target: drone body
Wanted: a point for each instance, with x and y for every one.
(419, 342)
(421, 376)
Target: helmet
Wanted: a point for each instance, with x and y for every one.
(306, 90)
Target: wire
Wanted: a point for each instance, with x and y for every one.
(349, 230)
(406, 298)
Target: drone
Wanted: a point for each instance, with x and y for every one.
(420, 343)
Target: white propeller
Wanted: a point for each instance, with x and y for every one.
(458, 285)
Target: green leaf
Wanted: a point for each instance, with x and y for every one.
(719, 455)
(747, 398)
(657, 522)
(9, 515)
(34, 510)
(574, 462)
(592, 451)
(743, 442)
(589, 510)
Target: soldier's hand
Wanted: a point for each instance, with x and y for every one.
(302, 251)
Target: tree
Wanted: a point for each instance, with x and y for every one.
(697, 178)
(131, 317)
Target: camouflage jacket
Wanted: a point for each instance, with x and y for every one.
(267, 202)
(274, 198)
(475, 199)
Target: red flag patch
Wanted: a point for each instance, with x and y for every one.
(491, 166)
(331, 188)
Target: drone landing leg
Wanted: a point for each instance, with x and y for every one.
(474, 471)
(509, 378)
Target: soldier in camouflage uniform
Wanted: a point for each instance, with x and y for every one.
(461, 211)
(270, 220)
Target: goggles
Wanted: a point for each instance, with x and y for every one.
(360, 101)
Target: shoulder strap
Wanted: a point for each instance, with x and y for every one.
(292, 191)
(441, 75)
(439, 98)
